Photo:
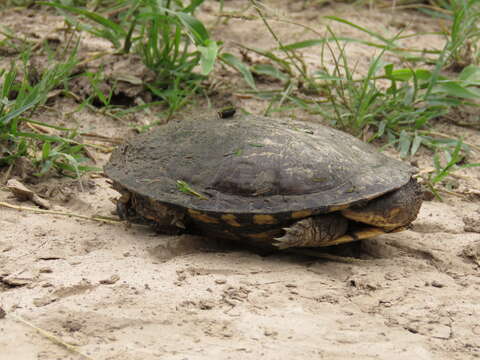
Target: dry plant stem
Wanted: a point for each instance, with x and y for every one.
(279, 19)
(44, 130)
(453, 193)
(316, 32)
(39, 128)
(104, 138)
(280, 44)
(104, 149)
(51, 337)
(413, 6)
(93, 57)
(439, 134)
(53, 212)
(432, 170)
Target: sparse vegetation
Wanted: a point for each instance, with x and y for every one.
(18, 135)
(397, 104)
(395, 101)
(166, 35)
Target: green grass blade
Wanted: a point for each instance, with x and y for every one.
(90, 15)
(241, 67)
(193, 6)
(196, 28)
(455, 89)
(269, 70)
(358, 27)
(209, 55)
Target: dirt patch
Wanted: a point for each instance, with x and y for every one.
(118, 291)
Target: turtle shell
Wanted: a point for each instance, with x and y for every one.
(249, 164)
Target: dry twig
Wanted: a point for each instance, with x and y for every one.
(64, 213)
(51, 337)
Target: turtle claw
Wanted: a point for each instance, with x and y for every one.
(285, 242)
(321, 230)
(296, 235)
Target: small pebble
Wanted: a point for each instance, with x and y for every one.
(44, 301)
(7, 248)
(111, 280)
(206, 305)
(437, 284)
(270, 332)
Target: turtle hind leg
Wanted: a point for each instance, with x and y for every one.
(125, 210)
(141, 210)
(313, 231)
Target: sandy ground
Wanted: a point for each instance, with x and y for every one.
(124, 292)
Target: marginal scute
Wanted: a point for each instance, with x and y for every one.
(267, 235)
(264, 219)
(231, 220)
(338, 207)
(200, 216)
(301, 214)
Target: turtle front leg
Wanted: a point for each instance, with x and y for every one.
(313, 231)
(124, 208)
(138, 209)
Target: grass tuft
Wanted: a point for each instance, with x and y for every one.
(395, 103)
(20, 95)
(171, 41)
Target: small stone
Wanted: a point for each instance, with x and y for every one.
(43, 301)
(7, 248)
(290, 285)
(270, 332)
(111, 280)
(14, 281)
(411, 329)
(220, 281)
(72, 326)
(206, 305)
(46, 270)
(437, 284)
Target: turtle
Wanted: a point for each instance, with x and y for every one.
(263, 181)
